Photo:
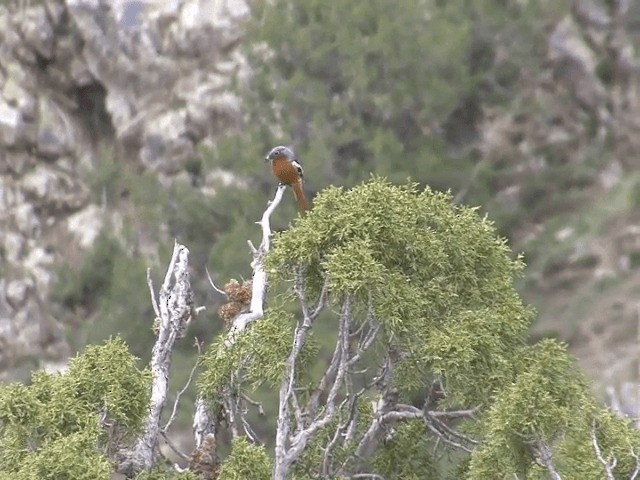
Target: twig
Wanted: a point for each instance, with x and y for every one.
(446, 439)
(152, 292)
(173, 447)
(181, 392)
(213, 285)
(445, 429)
(255, 403)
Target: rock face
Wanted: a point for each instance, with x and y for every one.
(149, 79)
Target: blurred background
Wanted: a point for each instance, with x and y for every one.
(126, 124)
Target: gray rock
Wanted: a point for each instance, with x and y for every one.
(54, 137)
(54, 189)
(17, 290)
(86, 225)
(37, 31)
(11, 124)
(150, 79)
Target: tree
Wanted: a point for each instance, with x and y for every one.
(67, 426)
(429, 359)
(429, 351)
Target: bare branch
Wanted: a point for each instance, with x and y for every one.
(543, 454)
(213, 285)
(285, 457)
(322, 299)
(173, 447)
(259, 285)
(204, 423)
(175, 308)
(181, 392)
(636, 470)
(385, 403)
(364, 345)
(327, 379)
(154, 302)
(445, 430)
(448, 440)
(608, 466)
(468, 413)
(255, 403)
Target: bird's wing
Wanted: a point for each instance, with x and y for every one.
(298, 168)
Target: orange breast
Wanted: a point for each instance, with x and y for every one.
(284, 171)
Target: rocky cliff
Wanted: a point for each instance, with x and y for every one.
(146, 80)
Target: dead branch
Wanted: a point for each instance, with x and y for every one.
(543, 453)
(259, 286)
(176, 402)
(174, 309)
(608, 465)
(204, 423)
(636, 470)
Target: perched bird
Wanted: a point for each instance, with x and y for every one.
(288, 171)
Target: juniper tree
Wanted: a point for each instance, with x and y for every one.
(429, 351)
(68, 426)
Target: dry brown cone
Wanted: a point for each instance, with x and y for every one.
(239, 296)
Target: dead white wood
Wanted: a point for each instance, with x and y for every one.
(609, 465)
(203, 422)
(174, 309)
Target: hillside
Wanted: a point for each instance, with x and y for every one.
(119, 127)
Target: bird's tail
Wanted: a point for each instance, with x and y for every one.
(303, 205)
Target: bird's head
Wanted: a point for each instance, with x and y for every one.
(280, 151)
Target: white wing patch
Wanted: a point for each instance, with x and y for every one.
(298, 167)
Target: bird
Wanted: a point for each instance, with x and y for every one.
(288, 170)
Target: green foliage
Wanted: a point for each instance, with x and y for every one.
(539, 405)
(108, 377)
(355, 98)
(617, 438)
(111, 283)
(219, 362)
(109, 286)
(72, 457)
(246, 461)
(261, 351)
(406, 455)
(314, 453)
(50, 428)
(360, 86)
(125, 305)
(437, 276)
(84, 286)
(105, 178)
(163, 472)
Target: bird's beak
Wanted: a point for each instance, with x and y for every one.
(266, 159)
